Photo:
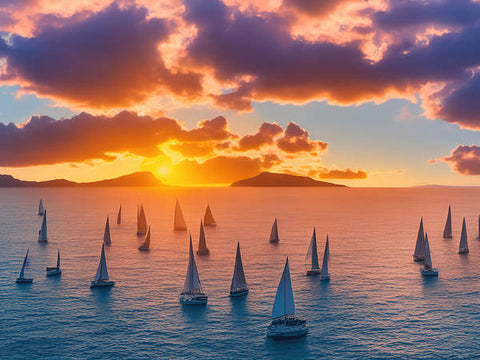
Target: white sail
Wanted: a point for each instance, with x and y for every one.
(428, 260)
(202, 242)
(42, 233)
(192, 281)
(179, 221)
(58, 259)
(106, 234)
(41, 210)
(22, 271)
(326, 255)
(420, 244)
(141, 222)
(238, 279)
(447, 231)
(208, 219)
(102, 272)
(284, 304)
(119, 216)
(274, 232)
(463, 247)
(146, 242)
(312, 253)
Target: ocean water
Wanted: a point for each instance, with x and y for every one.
(377, 305)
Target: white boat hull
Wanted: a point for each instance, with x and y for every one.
(53, 271)
(23, 281)
(194, 299)
(96, 284)
(313, 272)
(284, 331)
(429, 272)
(239, 292)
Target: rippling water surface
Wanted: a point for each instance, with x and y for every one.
(376, 305)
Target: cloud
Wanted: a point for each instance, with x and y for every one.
(297, 140)
(264, 136)
(464, 159)
(312, 7)
(340, 174)
(104, 59)
(214, 129)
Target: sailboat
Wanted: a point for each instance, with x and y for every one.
(146, 243)
(312, 256)
(179, 221)
(119, 216)
(192, 290)
(41, 210)
(101, 277)
(284, 323)
(274, 233)
(42, 233)
(208, 219)
(202, 242)
(419, 254)
(447, 231)
(478, 227)
(21, 278)
(239, 284)
(427, 265)
(141, 222)
(326, 255)
(463, 247)
(51, 271)
(106, 235)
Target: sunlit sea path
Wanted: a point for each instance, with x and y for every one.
(376, 305)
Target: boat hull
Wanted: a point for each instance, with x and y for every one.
(42, 241)
(203, 252)
(283, 331)
(141, 233)
(53, 271)
(239, 292)
(463, 252)
(273, 241)
(195, 299)
(429, 272)
(100, 284)
(325, 277)
(142, 248)
(23, 281)
(313, 272)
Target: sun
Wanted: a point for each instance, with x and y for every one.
(163, 170)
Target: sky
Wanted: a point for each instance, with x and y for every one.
(207, 92)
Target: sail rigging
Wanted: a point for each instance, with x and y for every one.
(119, 216)
(102, 272)
(192, 281)
(463, 246)
(420, 244)
(179, 221)
(141, 221)
(447, 231)
(326, 256)
(42, 233)
(202, 241)
(274, 232)
(146, 242)
(106, 234)
(22, 271)
(312, 253)
(41, 210)
(284, 304)
(208, 219)
(238, 279)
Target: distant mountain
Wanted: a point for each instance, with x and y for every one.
(141, 178)
(267, 179)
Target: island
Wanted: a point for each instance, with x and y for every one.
(268, 179)
(140, 179)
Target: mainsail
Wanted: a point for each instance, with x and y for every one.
(428, 260)
(58, 259)
(274, 232)
(312, 253)
(208, 219)
(141, 222)
(420, 244)
(22, 272)
(238, 279)
(106, 234)
(326, 255)
(102, 272)
(284, 304)
(463, 247)
(202, 242)
(146, 242)
(119, 216)
(179, 221)
(42, 233)
(41, 210)
(192, 281)
(447, 231)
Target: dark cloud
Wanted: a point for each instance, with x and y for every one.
(340, 174)
(264, 136)
(103, 59)
(297, 140)
(214, 129)
(313, 7)
(464, 159)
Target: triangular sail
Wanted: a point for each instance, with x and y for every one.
(106, 234)
(312, 253)
(146, 242)
(208, 219)
(274, 232)
(202, 242)
(102, 272)
(479, 226)
(42, 233)
(463, 247)
(58, 259)
(326, 255)
(141, 221)
(40, 208)
(420, 244)
(428, 260)
(22, 272)
(192, 281)
(238, 279)
(284, 304)
(119, 216)
(179, 221)
(447, 231)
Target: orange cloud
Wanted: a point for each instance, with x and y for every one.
(340, 174)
